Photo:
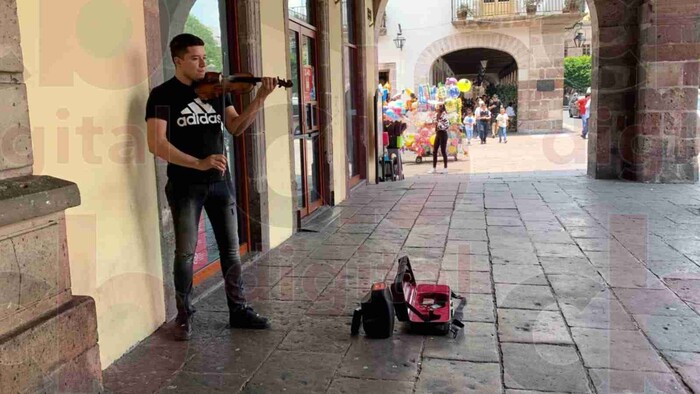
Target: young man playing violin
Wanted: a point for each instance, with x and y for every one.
(185, 130)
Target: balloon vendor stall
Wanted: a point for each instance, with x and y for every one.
(422, 118)
(417, 110)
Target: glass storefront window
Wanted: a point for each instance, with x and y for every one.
(296, 103)
(204, 23)
(299, 171)
(309, 58)
(348, 17)
(302, 10)
(351, 84)
(313, 167)
(350, 110)
(305, 101)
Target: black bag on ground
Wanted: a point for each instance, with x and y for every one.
(376, 313)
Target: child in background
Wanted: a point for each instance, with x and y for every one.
(502, 120)
(469, 122)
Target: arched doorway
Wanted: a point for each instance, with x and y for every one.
(492, 70)
(508, 53)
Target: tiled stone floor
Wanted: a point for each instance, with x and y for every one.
(572, 285)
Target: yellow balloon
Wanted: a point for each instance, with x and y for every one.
(432, 139)
(464, 85)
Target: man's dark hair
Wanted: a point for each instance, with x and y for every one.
(180, 43)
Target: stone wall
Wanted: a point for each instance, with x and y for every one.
(48, 337)
(15, 140)
(666, 147)
(613, 87)
(643, 124)
(540, 97)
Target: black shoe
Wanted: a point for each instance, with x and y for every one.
(183, 328)
(246, 317)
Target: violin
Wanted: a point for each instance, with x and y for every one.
(214, 84)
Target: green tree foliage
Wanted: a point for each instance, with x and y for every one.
(212, 48)
(577, 72)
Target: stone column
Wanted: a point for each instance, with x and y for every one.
(613, 83)
(540, 96)
(251, 61)
(325, 96)
(48, 336)
(665, 146)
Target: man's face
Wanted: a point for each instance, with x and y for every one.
(193, 64)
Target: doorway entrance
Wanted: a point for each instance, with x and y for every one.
(305, 117)
(214, 21)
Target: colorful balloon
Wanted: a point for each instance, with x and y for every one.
(464, 85)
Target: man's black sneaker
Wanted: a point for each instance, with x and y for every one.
(183, 328)
(246, 317)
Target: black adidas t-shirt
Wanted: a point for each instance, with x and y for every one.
(194, 127)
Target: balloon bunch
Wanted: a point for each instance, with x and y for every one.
(441, 92)
(422, 142)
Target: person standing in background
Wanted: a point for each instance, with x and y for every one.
(495, 108)
(442, 124)
(483, 115)
(582, 113)
(469, 122)
(586, 115)
(502, 122)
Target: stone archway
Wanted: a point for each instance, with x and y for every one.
(443, 46)
(527, 81)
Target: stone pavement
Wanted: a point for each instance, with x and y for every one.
(572, 285)
(522, 153)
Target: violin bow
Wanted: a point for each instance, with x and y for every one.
(223, 124)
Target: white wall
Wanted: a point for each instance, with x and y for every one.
(422, 23)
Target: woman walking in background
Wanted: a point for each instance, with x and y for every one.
(483, 115)
(442, 124)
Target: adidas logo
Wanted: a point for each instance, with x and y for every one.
(198, 113)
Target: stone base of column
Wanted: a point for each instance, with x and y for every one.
(48, 337)
(543, 126)
(54, 352)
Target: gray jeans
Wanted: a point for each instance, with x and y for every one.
(186, 201)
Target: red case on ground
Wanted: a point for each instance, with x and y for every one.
(412, 300)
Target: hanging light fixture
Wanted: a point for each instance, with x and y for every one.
(579, 38)
(400, 39)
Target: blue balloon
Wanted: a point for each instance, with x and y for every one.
(391, 114)
(421, 95)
